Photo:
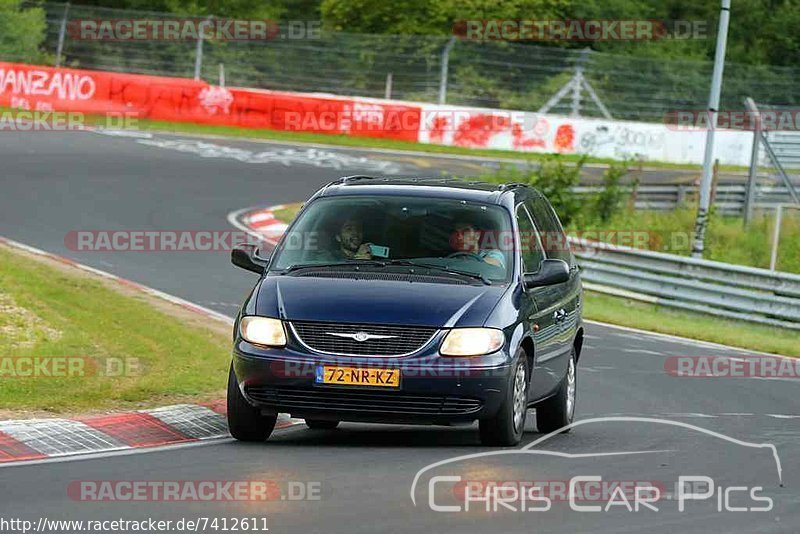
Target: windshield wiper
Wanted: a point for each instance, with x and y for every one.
(444, 269)
(354, 263)
(385, 263)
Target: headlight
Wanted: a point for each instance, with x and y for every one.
(471, 341)
(263, 331)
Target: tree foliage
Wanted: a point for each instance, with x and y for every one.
(22, 31)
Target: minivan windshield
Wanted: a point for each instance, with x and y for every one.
(443, 234)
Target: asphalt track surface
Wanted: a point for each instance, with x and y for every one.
(51, 183)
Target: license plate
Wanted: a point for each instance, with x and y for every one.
(358, 376)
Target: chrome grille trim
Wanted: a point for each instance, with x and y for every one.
(295, 399)
(426, 332)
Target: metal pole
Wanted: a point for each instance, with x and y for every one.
(62, 33)
(445, 65)
(713, 107)
(198, 51)
(577, 84)
(776, 237)
(750, 192)
(388, 93)
(222, 75)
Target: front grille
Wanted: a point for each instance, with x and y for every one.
(403, 340)
(342, 400)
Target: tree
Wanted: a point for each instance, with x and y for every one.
(22, 32)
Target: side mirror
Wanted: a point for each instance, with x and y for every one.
(550, 272)
(246, 256)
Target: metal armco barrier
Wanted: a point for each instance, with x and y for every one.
(716, 288)
(730, 198)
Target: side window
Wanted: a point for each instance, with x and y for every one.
(552, 234)
(532, 254)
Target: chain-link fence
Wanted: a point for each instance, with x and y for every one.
(492, 74)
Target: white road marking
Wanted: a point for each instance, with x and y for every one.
(314, 157)
(683, 340)
(643, 351)
(701, 415)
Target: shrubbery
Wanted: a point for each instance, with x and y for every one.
(556, 179)
(667, 231)
(22, 32)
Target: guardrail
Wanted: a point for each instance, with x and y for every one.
(717, 288)
(729, 198)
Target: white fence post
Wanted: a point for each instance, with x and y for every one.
(445, 66)
(62, 34)
(198, 51)
(388, 92)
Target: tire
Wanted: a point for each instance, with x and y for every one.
(321, 424)
(245, 422)
(559, 410)
(506, 428)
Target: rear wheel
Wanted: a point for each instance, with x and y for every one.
(321, 424)
(559, 410)
(245, 422)
(507, 427)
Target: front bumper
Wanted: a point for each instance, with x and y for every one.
(433, 389)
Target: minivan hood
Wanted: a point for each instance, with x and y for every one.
(376, 301)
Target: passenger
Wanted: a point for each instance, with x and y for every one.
(468, 240)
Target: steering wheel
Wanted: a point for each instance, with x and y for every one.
(468, 255)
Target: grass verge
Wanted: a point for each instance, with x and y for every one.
(726, 240)
(122, 349)
(654, 318)
(645, 316)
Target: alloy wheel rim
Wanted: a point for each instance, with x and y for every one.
(519, 398)
(571, 389)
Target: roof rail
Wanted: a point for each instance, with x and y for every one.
(511, 185)
(353, 178)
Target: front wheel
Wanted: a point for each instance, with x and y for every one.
(559, 410)
(507, 427)
(245, 422)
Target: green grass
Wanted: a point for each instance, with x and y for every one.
(48, 312)
(665, 320)
(288, 212)
(726, 240)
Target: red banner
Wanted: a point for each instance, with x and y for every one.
(183, 100)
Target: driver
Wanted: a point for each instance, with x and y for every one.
(468, 240)
(349, 242)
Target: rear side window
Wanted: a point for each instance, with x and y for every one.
(532, 254)
(551, 232)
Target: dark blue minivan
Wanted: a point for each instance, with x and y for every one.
(431, 301)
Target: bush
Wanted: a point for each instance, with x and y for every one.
(556, 180)
(608, 202)
(552, 177)
(22, 32)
